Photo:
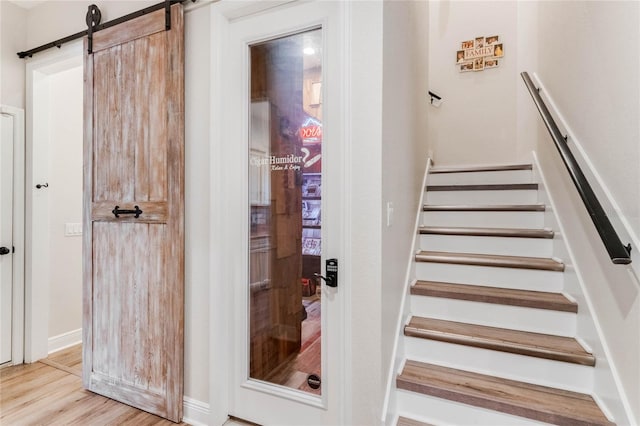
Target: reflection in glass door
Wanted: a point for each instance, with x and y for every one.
(285, 193)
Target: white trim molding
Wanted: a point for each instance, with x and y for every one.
(17, 303)
(234, 25)
(389, 411)
(196, 413)
(64, 340)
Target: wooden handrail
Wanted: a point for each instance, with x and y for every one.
(618, 252)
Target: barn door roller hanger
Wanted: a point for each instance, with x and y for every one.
(93, 18)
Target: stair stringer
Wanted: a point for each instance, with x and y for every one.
(606, 389)
(397, 356)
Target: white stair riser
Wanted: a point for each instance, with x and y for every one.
(524, 279)
(494, 315)
(482, 197)
(484, 219)
(535, 247)
(440, 411)
(479, 178)
(544, 372)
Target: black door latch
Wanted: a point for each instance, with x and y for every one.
(332, 273)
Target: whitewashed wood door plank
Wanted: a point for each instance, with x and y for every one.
(134, 266)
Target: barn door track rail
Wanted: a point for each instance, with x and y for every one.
(93, 18)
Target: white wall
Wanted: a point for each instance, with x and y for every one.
(366, 200)
(198, 209)
(404, 111)
(56, 19)
(13, 26)
(477, 122)
(593, 78)
(65, 201)
(388, 126)
(610, 292)
(527, 60)
(52, 19)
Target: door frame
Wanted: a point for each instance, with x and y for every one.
(36, 289)
(18, 289)
(222, 305)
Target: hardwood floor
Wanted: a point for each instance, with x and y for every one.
(50, 392)
(294, 372)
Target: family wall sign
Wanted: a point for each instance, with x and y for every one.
(479, 54)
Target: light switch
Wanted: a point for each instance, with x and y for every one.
(72, 229)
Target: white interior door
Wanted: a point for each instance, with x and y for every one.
(6, 235)
(282, 159)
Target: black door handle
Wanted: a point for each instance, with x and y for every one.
(327, 280)
(4, 250)
(118, 211)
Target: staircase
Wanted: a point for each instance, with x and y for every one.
(490, 338)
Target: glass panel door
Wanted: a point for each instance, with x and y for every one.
(285, 211)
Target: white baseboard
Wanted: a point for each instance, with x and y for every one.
(64, 340)
(196, 413)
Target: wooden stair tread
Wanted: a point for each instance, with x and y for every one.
(485, 208)
(405, 421)
(490, 168)
(538, 345)
(484, 187)
(487, 232)
(522, 399)
(496, 295)
(495, 260)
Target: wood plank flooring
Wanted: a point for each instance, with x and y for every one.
(487, 232)
(293, 373)
(484, 208)
(471, 169)
(405, 421)
(539, 345)
(50, 392)
(540, 403)
(484, 187)
(500, 261)
(497, 295)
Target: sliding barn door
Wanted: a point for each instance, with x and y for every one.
(133, 214)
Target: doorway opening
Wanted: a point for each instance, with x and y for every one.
(53, 303)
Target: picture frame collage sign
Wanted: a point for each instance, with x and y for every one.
(479, 54)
